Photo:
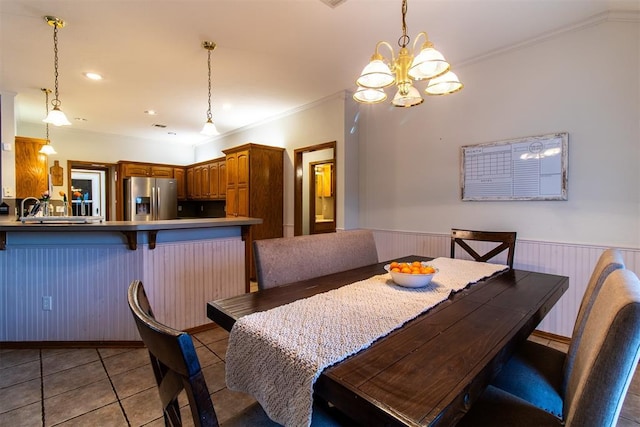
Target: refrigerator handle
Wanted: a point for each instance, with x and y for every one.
(154, 203)
(158, 204)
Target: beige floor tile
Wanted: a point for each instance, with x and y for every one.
(158, 422)
(19, 373)
(143, 407)
(214, 376)
(219, 348)
(206, 356)
(126, 361)
(228, 403)
(30, 415)
(211, 335)
(133, 381)
(11, 357)
(59, 361)
(20, 395)
(107, 416)
(73, 378)
(631, 407)
(71, 404)
(624, 422)
(108, 352)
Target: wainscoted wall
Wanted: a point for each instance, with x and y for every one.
(574, 261)
(88, 286)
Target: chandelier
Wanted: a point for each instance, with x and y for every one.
(209, 128)
(47, 148)
(403, 69)
(56, 116)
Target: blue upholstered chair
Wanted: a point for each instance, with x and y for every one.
(595, 382)
(538, 373)
(176, 368)
(290, 259)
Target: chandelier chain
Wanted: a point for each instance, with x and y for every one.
(56, 101)
(209, 116)
(404, 40)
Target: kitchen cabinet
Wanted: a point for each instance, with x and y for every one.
(179, 175)
(206, 182)
(146, 169)
(255, 189)
(31, 176)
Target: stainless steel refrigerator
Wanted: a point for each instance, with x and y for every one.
(149, 199)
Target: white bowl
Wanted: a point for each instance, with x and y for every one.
(409, 280)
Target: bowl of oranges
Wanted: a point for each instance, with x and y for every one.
(414, 274)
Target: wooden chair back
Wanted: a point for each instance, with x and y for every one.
(175, 363)
(506, 240)
(290, 259)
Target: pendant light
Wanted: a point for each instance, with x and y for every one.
(403, 69)
(47, 148)
(209, 128)
(56, 116)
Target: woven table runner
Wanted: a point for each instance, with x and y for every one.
(277, 355)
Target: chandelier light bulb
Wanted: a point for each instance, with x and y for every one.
(47, 150)
(376, 75)
(428, 64)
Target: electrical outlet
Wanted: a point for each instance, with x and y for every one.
(47, 303)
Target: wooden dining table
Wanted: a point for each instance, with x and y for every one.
(431, 370)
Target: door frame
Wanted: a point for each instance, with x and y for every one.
(325, 227)
(109, 170)
(298, 181)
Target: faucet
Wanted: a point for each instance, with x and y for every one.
(22, 206)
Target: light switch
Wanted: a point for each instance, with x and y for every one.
(6, 192)
(6, 146)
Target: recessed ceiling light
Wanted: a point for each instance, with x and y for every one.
(93, 76)
(150, 112)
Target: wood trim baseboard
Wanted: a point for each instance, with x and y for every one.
(91, 344)
(552, 337)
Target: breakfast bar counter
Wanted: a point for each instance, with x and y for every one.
(68, 281)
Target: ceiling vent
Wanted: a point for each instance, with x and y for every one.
(333, 3)
(157, 125)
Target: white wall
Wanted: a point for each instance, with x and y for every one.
(585, 82)
(318, 123)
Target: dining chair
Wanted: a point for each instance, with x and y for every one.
(506, 240)
(527, 373)
(291, 259)
(176, 367)
(598, 380)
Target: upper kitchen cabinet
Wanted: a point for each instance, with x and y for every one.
(31, 175)
(179, 175)
(205, 182)
(255, 189)
(146, 169)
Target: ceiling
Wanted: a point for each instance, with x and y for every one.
(273, 56)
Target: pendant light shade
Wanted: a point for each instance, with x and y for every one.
(403, 69)
(444, 85)
(47, 149)
(209, 128)
(56, 117)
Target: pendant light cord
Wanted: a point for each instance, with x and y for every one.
(209, 116)
(56, 101)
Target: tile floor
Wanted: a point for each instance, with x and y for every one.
(115, 387)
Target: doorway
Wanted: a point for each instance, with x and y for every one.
(304, 181)
(90, 190)
(322, 201)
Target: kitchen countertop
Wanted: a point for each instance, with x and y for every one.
(128, 228)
